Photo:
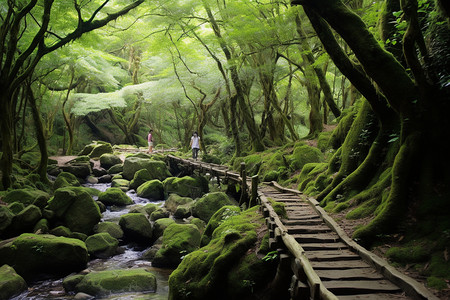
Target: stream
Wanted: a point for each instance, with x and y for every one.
(130, 258)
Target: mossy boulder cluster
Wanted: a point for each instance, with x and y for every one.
(228, 267)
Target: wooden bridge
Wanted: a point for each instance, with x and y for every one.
(317, 259)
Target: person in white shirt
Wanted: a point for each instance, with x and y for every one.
(195, 145)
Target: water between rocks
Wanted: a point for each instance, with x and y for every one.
(131, 258)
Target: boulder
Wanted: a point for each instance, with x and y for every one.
(157, 169)
(34, 254)
(27, 197)
(201, 225)
(140, 177)
(152, 189)
(178, 240)
(159, 213)
(105, 178)
(146, 209)
(114, 196)
(304, 154)
(75, 208)
(184, 211)
(87, 149)
(160, 225)
(100, 149)
(99, 172)
(136, 228)
(6, 217)
(79, 169)
(186, 186)
(102, 245)
(25, 220)
(206, 206)
(120, 183)
(116, 169)
(174, 201)
(65, 179)
(107, 160)
(11, 284)
(103, 283)
(112, 228)
(61, 231)
(16, 207)
(217, 219)
(41, 226)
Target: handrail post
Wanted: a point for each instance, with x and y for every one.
(243, 183)
(254, 195)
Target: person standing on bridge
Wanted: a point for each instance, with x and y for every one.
(150, 141)
(195, 145)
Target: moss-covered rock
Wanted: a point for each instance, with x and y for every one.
(160, 225)
(100, 149)
(218, 218)
(152, 189)
(227, 268)
(186, 186)
(136, 227)
(114, 196)
(157, 169)
(120, 183)
(42, 226)
(27, 197)
(174, 201)
(33, 254)
(75, 208)
(116, 169)
(102, 245)
(184, 210)
(159, 213)
(6, 217)
(112, 228)
(206, 206)
(80, 169)
(140, 177)
(26, 220)
(61, 231)
(201, 225)
(304, 154)
(11, 283)
(16, 207)
(107, 160)
(65, 179)
(107, 282)
(178, 240)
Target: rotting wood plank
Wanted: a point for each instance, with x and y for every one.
(349, 274)
(331, 255)
(339, 265)
(307, 229)
(324, 246)
(386, 296)
(315, 238)
(353, 287)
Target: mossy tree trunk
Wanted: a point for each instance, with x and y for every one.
(407, 108)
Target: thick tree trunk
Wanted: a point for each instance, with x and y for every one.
(6, 138)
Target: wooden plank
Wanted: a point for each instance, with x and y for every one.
(331, 255)
(349, 274)
(374, 297)
(307, 229)
(316, 238)
(339, 265)
(324, 246)
(303, 222)
(354, 287)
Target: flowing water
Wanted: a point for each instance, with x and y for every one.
(130, 258)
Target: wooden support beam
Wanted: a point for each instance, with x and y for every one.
(254, 193)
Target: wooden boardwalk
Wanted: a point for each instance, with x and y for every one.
(321, 261)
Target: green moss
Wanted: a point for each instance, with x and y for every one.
(408, 254)
(227, 266)
(206, 206)
(304, 154)
(11, 283)
(152, 189)
(279, 208)
(364, 210)
(114, 196)
(436, 283)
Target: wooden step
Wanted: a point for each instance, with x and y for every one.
(355, 287)
(324, 246)
(303, 222)
(350, 274)
(315, 238)
(378, 296)
(307, 229)
(339, 265)
(333, 255)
